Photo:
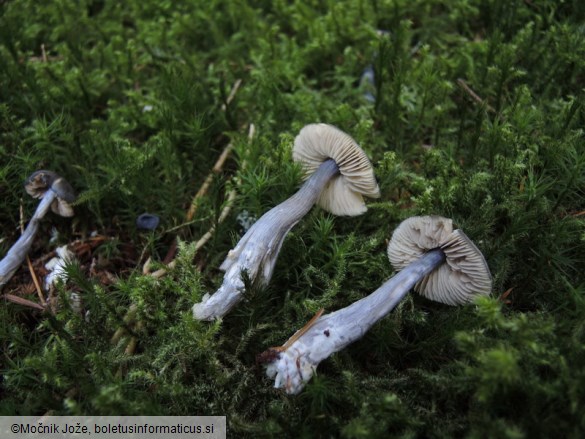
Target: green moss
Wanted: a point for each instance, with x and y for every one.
(478, 116)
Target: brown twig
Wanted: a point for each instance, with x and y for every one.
(474, 95)
(205, 238)
(23, 301)
(232, 94)
(146, 266)
(205, 186)
(43, 53)
(272, 353)
(35, 280)
(573, 214)
(29, 263)
(220, 161)
(231, 196)
(131, 346)
(193, 209)
(504, 296)
(129, 319)
(216, 169)
(44, 58)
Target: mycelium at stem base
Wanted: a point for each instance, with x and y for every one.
(257, 251)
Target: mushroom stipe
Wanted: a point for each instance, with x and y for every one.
(257, 251)
(294, 366)
(339, 175)
(55, 193)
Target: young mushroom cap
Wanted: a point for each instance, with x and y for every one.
(42, 181)
(465, 273)
(147, 221)
(343, 195)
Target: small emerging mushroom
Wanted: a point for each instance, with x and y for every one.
(338, 174)
(55, 194)
(147, 221)
(441, 264)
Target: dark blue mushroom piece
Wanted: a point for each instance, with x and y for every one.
(147, 221)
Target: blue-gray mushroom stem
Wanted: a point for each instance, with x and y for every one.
(16, 254)
(256, 253)
(333, 332)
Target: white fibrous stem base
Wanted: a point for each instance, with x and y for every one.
(16, 254)
(295, 366)
(56, 267)
(257, 252)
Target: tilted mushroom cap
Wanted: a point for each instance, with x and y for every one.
(40, 182)
(464, 274)
(343, 195)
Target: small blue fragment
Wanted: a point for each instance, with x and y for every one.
(368, 84)
(147, 221)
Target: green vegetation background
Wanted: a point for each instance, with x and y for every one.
(125, 99)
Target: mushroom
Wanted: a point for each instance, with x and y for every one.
(466, 272)
(338, 175)
(55, 193)
(441, 264)
(147, 221)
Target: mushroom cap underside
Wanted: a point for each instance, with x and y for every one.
(464, 274)
(343, 195)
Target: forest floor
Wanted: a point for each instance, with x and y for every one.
(189, 110)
